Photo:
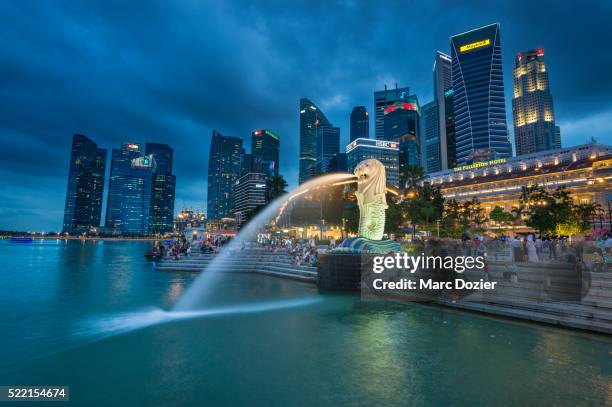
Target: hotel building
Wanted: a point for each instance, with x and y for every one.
(586, 171)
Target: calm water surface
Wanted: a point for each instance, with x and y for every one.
(68, 309)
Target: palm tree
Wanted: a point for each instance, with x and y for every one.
(413, 177)
(275, 187)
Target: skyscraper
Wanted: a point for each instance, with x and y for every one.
(224, 168)
(382, 100)
(163, 188)
(311, 117)
(477, 78)
(328, 144)
(403, 125)
(532, 105)
(431, 135)
(360, 123)
(265, 148)
(449, 124)
(85, 185)
(249, 193)
(121, 183)
(442, 80)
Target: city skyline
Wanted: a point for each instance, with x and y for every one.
(43, 105)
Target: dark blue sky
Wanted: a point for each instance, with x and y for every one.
(172, 71)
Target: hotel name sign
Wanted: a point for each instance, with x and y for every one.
(480, 164)
(474, 45)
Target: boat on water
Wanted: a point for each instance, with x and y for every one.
(21, 239)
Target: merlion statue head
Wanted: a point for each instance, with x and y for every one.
(371, 178)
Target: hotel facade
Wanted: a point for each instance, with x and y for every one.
(586, 171)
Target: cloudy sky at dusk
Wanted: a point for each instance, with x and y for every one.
(171, 72)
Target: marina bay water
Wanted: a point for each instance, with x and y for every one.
(95, 316)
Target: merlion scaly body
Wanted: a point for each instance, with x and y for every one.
(371, 183)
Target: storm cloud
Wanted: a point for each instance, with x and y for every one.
(171, 72)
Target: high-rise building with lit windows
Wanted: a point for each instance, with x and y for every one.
(382, 100)
(224, 168)
(85, 185)
(532, 105)
(477, 77)
(360, 123)
(265, 150)
(311, 119)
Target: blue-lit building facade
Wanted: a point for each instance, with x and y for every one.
(85, 188)
(265, 151)
(311, 119)
(163, 189)
(403, 126)
(383, 99)
(360, 123)
(387, 152)
(224, 167)
(477, 78)
(431, 134)
(121, 160)
(328, 145)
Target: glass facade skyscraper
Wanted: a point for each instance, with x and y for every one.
(265, 150)
(249, 193)
(382, 100)
(431, 135)
(328, 144)
(121, 160)
(311, 118)
(532, 105)
(449, 124)
(141, 190)
(477, 79)
(360, 123)
(403, 125)
(163, 188)
(224, 168)
(442, 80)
(85, 189)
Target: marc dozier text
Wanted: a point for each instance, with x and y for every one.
(403, 261)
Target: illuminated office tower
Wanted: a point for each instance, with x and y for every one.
(382, 100)
(123, 186)
(249, 193)
(431, 135)
(477, 78)
(224, 168)
(265, 150)
(163, 189)
(85, 185)
(311, 118)
(532, 105)
(328, 145)
(442, 80)
(360, 123)
(403, 126)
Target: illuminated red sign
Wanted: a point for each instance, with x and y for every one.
(258, 132)
(390, 109)
(540, 52)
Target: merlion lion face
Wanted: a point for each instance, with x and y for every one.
(371, 176)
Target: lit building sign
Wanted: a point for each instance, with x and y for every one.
(449, 92)
(260, 185)
(132, 146)
(480, 164)
(403, 106)
(390, 145)
(474, 45)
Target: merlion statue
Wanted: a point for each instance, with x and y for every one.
(371, 189)
(371, 184)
